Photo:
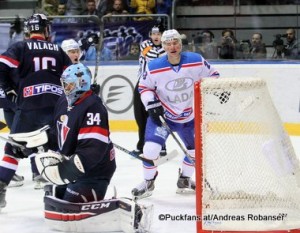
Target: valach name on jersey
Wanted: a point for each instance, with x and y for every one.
(42, 46)
(244, 217)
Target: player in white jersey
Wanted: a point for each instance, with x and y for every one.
(72, 49)
(150, 49)
(167, 91)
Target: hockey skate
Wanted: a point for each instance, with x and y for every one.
(39, 181)
(16, 181)
(185, 185)
(144, 189)
(3, 187)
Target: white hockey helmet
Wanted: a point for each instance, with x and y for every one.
(69, 44)
(170, 35)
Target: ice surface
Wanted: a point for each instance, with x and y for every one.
(24, 210)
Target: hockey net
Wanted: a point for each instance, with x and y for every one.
(247, 173)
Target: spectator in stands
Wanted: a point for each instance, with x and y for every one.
(134, 52)
(228, 45)
(117, 8)
(62, 11)
(292, 48)
(90, 8)
(258, 48)
(205, 45)
(75, 7)
(49, 7)
(143, 7)
(163, 6)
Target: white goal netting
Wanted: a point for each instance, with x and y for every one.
(251, 173)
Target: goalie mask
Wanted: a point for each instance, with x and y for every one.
(76, 80)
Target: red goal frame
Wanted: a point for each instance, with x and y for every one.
(198, 166)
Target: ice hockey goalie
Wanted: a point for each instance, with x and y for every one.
(119, 214)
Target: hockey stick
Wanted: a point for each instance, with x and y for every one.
(13, 143)
(2, 126)
(159, 161)
(164, 123)
(98, 49)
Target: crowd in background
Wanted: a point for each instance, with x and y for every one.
(231, 2)
(105, 7)
(224, 46)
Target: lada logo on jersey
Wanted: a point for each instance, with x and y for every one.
(95, 206)
(117, 93)
(179, 84)
(45, 88)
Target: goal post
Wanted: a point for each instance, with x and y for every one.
(247, 173)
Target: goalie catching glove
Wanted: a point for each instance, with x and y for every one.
(59, 169)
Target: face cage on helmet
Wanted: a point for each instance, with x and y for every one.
(70, 87)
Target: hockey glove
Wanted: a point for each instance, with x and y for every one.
(95, 88)
(155, 110)
(11, 95)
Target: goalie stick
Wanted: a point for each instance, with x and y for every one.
(13, 143)
(10, 141)
(164, 123)
(159, 161)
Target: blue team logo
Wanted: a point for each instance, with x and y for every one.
(44, 88)
(180, 84)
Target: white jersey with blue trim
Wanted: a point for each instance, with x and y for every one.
(173, 85)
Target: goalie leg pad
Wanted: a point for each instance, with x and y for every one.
(103, 216)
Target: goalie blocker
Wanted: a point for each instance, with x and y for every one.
(121, 214)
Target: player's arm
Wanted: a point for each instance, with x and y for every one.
(209, 70)
(147, 88)
(8, 61)
(93, 142)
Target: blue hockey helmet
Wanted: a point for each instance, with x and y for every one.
(76, 80)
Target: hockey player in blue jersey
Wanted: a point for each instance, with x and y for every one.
(167, 91)
(85, 161)
(39, 65)
(83, 165)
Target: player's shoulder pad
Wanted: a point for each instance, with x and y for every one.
(191, 57)
(158, 63)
